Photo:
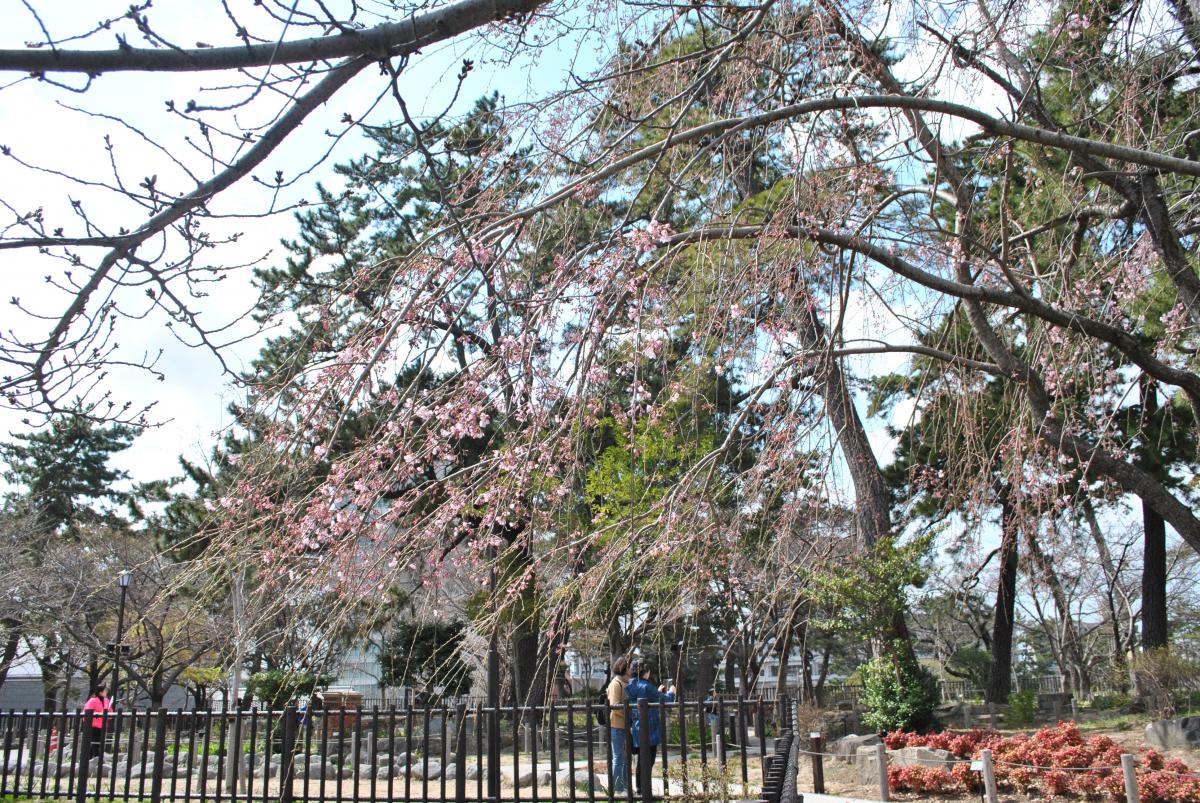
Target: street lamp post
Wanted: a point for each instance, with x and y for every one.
(117, 648)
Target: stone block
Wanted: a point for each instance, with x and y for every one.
(1170, 734)
(922, 757)
(847, 748)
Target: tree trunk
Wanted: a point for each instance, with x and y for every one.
(50, 681)
(1072, 654)
(12, 642)
(1154, 559)
(785, 652)
(871, 496)
(1154, 581)
(1112, 579)
(999, 683)
(822, 676)
(706, 673)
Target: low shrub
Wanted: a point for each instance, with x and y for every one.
(898, 693)
(1110, 700)
(1022, 707)
(1052, 762)
(1166, 679)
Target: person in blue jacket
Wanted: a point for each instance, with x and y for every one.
(640, 688)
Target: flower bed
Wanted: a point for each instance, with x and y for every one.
(1053, 762)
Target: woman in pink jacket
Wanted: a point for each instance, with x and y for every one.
(99, 705)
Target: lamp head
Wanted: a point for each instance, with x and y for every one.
(124, 577)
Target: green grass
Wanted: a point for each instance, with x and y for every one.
(1114, 720)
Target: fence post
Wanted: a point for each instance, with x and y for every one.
(233, 753)
(83, 749)
(287, 759)
(135, 744)
(881, 759)
(1131, 786)
(160, 754)
(989, 776)
(816, 746)
(493, 740)
(645, 773)
(460, 753)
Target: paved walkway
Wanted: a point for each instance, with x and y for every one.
(813, 797)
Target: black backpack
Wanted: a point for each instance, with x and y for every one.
(602, 708)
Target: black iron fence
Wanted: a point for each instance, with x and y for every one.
(728, 749)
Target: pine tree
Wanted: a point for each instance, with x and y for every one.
(63, 471)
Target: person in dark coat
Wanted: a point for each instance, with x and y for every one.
(641, 688)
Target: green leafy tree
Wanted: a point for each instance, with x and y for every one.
(278, 687)
(426, 654)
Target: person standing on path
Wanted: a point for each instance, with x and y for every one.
(98, 705)
(618, 731)
(640, 688)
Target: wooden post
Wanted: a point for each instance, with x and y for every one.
(881, 758)
(989, 776)
(966, 711)
(816, 746)
(1131, 786)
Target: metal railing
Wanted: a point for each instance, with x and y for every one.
(460, 753)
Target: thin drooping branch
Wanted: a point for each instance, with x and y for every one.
(381, 42)
(1095, 460)
(287, 123)
(1129, 345)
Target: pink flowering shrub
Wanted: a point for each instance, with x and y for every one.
(1053, 762)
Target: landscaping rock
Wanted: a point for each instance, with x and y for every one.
(847, 748)
(419, 770)
(525, 776)
(866, 761)
(948, 712)
(451, 771)
(472, 771)
(517, 777)
(1169, 734)
(564, 778)
(922, 757)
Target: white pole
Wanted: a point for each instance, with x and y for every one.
(989, 776)
(881, 760)
(1131, 787)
